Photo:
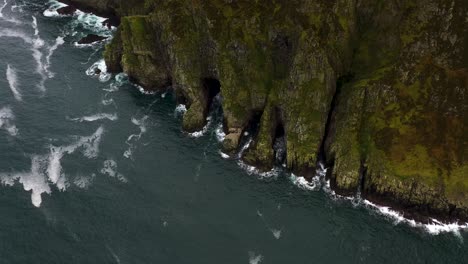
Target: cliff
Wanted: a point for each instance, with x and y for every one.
(376, 88)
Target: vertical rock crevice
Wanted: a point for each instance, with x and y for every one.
(279, 140)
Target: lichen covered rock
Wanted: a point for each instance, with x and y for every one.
(378, 88)
(401, 123)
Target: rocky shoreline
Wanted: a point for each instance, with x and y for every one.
(355, 84)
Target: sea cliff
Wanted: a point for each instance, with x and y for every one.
(376, 89)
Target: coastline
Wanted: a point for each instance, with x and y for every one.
(410, 214)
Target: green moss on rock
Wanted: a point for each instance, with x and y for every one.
(401, 119)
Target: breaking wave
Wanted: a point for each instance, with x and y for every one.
(92, 22)
(319, 182)
(180, 110)
(220, 135)
(202, 132)
(99, 68)
(52, 10)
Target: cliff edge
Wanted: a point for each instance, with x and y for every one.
(377, 89)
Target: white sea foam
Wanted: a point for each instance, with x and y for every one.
(255, 258)
(35, 180)
(90, 149)
(251, 170)
(91, 21)
(84, 181)
(202, 132)
(224, 155)
(9, 33)
(396, 217)
(435, 227)
(100, 65)
(133, 138)
(47, 169)
(54, 168)
(110, 168)
(142, 90)
(302, 183)
(276, 233)
(220, 135)
(58, 41)
(34, 25)
(5, 3)
(180, 110)
(3, 17)
(13, 82)
(6, 121)
(113, 87)
(52, 10)
(119, 80)
(37, 55)
(95, 117)
(107, 101)
(36, 44)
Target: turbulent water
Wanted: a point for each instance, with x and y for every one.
(94, 171)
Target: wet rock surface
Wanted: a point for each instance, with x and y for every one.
(66, 10)
(91, 38)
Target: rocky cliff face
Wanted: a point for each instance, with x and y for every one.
(378, 88)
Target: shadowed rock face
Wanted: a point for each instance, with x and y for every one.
(66, 10)
(377, 88)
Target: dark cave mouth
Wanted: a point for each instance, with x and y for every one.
(212, 88)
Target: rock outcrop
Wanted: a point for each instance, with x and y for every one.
(376, 88)
(91, 38)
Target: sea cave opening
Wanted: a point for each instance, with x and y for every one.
(212, 88)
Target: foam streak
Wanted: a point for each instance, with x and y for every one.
(13, 82)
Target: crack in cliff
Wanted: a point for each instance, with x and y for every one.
(279, 139)
(362, 178)
(212, 87)
(329, 125)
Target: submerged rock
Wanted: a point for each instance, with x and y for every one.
(111, 22)
(91, 38)
(66, 10)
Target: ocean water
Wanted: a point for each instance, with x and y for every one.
(92, 170)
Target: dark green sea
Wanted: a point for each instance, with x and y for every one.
(94, 171)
